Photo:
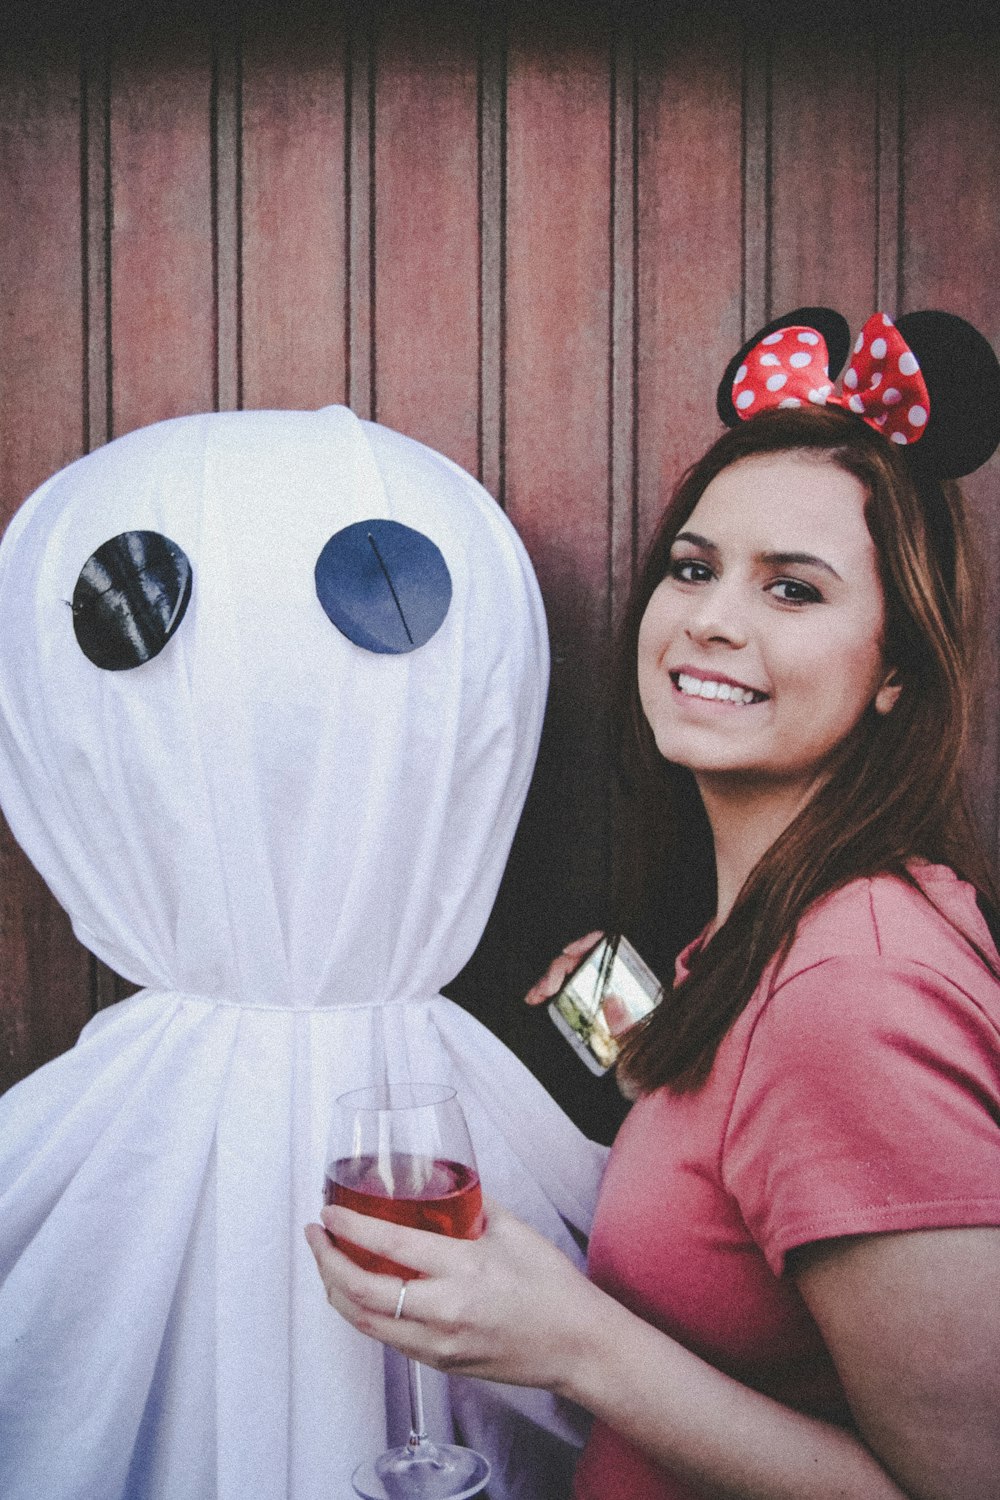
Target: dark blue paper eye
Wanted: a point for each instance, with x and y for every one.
(384, 585)
(129, 599)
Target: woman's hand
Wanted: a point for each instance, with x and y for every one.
(508, 1306)
(561, 968)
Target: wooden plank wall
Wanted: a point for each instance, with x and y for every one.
(529, 235)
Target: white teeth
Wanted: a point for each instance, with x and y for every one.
(703, 687)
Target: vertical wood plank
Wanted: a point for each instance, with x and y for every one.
(163, 303)
(492, 237)
(294, 192)
(558, 374)
(227, 186)
(623, 331)
(427, 260)
(889, 86)
(692, 245)
(96, 233)
(44, 974)
(824, 166)
(360, 152)
(756, 196)
(951, 243)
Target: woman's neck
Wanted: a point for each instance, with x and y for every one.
(746, 818)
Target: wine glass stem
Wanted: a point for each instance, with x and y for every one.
(418, 1428)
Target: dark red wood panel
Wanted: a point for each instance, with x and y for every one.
(824, 155)
(530, 235)
(951, 240)
(162, 303)
(44, 995)
(294, 193)
(690, 249)
(557, 400)
(426, 225)
(41, 315)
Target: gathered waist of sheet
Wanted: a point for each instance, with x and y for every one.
(289, 1008)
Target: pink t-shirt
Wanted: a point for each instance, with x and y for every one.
(858, 1092)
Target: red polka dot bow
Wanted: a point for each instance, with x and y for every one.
(882, 383)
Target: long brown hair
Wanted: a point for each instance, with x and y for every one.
(894, 792)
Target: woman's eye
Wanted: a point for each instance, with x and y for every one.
(794, 591)
(688, 570)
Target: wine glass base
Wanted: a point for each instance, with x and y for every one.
(439, 1471)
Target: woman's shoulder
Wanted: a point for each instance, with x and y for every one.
(931, 920)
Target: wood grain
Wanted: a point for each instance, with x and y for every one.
(528, 234)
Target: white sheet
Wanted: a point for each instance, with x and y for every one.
(292, 844)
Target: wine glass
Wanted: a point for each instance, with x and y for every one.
(401, 1151)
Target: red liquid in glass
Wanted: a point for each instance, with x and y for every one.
(421, 1191)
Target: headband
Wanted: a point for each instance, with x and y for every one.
(929, 383)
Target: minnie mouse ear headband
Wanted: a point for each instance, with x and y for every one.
(929, 379)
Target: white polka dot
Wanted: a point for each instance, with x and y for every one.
(775, 382)
(886, 320)
(808, 337)
(770, 359)
(800, 360)
(818, 398)
(917, 416)
(876, 380)
(898, 437)
(741, 374)
(745, 399)
(851, 379)
(790, 401)
(856, 404)
(860, 343)
(879, 348)
(891, 397)
(773, 338)
(908, 364)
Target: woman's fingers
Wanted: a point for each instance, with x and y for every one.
(503, 1307)
(423, 1251)
(365, 1299)
(561, 968)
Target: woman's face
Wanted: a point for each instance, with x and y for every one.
(762, 647)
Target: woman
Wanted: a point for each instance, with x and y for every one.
(796, 1250)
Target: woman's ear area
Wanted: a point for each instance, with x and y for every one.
(885, 698)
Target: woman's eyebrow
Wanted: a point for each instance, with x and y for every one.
(798, 559)
(772, 559)
(696, 540)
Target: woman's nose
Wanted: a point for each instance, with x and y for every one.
(718, 615)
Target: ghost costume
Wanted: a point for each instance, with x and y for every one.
(291, 843)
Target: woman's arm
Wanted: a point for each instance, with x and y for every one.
(913, 1324)
(510, 1307)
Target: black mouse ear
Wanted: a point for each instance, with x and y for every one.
(130, 598)
(962, 375)
(829, 324)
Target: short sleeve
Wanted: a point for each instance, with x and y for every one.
(869, 1102)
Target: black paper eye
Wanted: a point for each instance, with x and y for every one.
(129, 599)
(384, 585)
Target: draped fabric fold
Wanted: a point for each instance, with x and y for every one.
(292, 844)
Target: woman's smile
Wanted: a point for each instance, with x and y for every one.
(762, 647)
(707, 687)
